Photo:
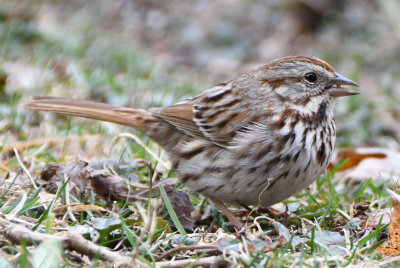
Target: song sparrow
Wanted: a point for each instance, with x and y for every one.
(254, 140)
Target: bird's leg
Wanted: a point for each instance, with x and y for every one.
(235, 221)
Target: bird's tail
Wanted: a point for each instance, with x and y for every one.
(139, 119)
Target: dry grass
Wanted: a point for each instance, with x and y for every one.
(65, 179)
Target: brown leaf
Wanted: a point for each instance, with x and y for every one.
(392, 245)
(87, 208)
(81, 179)
(84, 176)
(52, 177)
(375, 163)
(180, 202)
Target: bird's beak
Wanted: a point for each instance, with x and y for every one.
(337, 91)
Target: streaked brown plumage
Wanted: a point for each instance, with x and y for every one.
(254, 140)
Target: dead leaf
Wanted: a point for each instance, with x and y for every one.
(379, 217)
(334, 241)
(375, 163)
(82, 178)
(52, 177)
(392, 245)
(180, 202)
(87, 208)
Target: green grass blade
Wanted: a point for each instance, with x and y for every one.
(171, 212)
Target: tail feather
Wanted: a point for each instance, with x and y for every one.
(136, 118)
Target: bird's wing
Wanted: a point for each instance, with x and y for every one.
(216, 115)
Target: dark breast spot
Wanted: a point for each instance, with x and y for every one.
(306, 130)
(321, 113)
(292, 138)
(189, 177)
(294, 122)
(267, 169)
(286, 158)
(282, 141)
(283, 175)
(263, 152)
(296, 156)
(274, 161)
(321, 155)
(252, 169)
(175, 164)
(203, 189)
(314, 139)
(307, 166)
(214, 169)
(231, 172)
(219, 187)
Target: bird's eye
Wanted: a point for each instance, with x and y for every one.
(311, 77)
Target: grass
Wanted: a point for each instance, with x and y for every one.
(320, 232)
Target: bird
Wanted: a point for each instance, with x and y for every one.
(254, 140)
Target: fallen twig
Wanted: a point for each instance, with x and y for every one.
(181, 248)
(72, 241)
(213, 261)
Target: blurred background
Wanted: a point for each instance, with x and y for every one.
(148, 53)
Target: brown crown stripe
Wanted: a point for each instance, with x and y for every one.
(276, 82)
(312, 60)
